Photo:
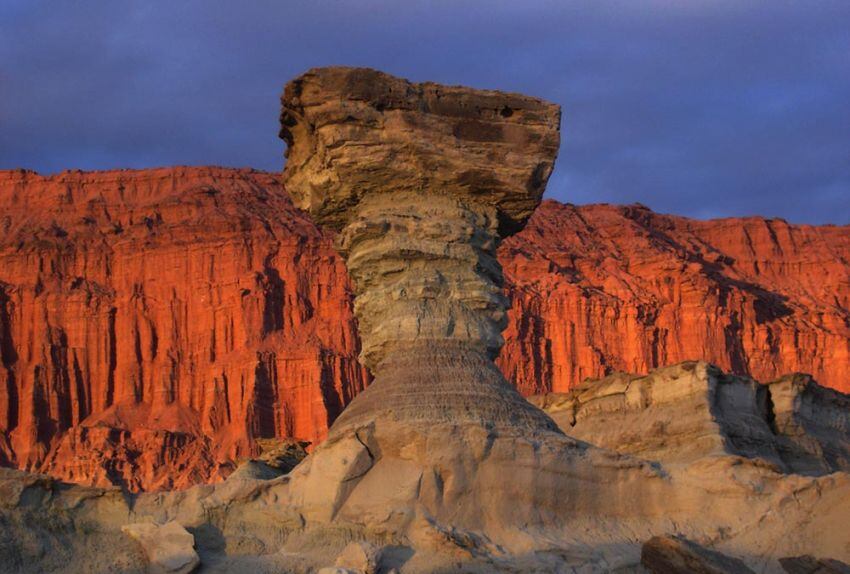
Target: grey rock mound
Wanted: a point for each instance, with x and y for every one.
(169, 548)
(811, 424)
(681, 413)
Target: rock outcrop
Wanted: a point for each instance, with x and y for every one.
(598, 508)
(681, 413)
(153, 323)
(439, 454)
(597, 289)
(422, 181)
(168, 547)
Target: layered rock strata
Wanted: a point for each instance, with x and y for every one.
(422, 181)
(473, 475)
(154, 323)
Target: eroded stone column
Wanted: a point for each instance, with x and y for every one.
(422, 181)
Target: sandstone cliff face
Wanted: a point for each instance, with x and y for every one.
(152, 322)
(602, 288)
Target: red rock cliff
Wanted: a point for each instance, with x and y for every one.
(603, 288)
(153, 322)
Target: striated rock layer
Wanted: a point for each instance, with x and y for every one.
(206, 285)
(601, 288)
(422, 181)
(154, 322)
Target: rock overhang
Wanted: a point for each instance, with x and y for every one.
(353, 132)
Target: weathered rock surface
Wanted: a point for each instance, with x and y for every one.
(360, 557)
(681, 413)
(573, 506)
(153, 323)
(811, 424)
(677, 555)
(355, 133)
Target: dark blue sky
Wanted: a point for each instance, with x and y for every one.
(700, 107)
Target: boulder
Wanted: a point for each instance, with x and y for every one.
(360, 557)
(169, 547)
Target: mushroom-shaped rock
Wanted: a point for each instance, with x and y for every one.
(422, 181)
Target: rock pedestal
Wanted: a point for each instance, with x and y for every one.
(422, 181)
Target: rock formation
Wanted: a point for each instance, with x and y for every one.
(439, 455)
(421, 180)
(440, 465)
(602, 510)
(600, 288)
(168, 548)
(681, 413)
(153, 323)
(677, 555)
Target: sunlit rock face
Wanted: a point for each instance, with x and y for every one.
(602, 288)
(153, 323)
(422, 181)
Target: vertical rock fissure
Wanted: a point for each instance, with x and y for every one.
(8, 358)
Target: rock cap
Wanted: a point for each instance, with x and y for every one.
(357, 131)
